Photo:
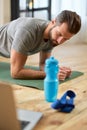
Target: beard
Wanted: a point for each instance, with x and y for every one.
(52, 41)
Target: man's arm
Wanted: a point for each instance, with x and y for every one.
(18, 71)
(18, 61)
(43, 57)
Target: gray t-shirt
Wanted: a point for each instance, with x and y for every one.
(25, 35)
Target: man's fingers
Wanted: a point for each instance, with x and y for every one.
(62, 75)
(67, 70)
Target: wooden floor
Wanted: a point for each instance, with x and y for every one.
(71, 55)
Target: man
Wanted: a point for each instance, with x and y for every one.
(27, 36)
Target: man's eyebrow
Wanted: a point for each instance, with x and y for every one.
(63, 35)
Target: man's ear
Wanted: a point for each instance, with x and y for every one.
(53, 21)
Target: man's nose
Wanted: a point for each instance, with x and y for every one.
(61, 40)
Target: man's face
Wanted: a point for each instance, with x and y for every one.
(59, 34)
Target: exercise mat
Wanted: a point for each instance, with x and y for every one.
(38, 83)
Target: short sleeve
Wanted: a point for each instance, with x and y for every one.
(21, 41)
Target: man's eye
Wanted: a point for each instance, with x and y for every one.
(59, 34)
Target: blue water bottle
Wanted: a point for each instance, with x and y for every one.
(51, 81)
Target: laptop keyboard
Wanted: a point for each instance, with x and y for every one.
(24, 124)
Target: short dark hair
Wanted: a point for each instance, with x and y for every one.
(72, 19)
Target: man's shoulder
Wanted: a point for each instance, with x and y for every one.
(29, 22)
(31, 19)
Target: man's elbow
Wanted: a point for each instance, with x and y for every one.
(14, 75)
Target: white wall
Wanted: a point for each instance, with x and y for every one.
(4, 11)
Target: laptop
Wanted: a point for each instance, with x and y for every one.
(12, 118)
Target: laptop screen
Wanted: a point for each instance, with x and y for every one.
(9, 114)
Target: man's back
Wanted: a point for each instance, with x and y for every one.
(24, 34)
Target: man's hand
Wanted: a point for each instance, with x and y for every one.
(64, 72)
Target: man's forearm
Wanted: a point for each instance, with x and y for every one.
(28, 74)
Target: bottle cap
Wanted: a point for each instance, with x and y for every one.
(51, 61)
